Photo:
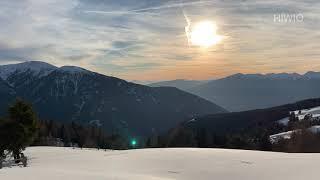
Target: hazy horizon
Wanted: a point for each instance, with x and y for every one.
(164, 80)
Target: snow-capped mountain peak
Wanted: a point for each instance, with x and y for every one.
(35, 67)
(72, 70)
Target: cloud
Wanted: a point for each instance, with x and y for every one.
(16, 53)
(146, 37)
(163, 6)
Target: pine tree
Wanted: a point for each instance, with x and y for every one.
(20, 126)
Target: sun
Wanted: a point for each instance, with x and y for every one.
(204, 34)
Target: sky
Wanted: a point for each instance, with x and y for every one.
(145, 39)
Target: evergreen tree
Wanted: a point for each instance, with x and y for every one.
(20, 126)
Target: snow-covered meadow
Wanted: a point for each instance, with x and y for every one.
(314, 113)
(301, 114)
(51, 163)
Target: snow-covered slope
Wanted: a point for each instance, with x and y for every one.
(72, 70)
(287, 135)
(314, 113)
(37, 68)
(302, 113)
(51, 163)
(284, 135)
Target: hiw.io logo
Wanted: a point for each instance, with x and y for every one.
(288, 18)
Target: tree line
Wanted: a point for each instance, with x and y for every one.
(256, 136)
(52, 133)
(21, 128)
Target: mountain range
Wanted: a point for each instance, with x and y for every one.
(72, 93)
(242, 92)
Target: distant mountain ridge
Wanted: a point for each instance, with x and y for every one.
(307, 75)
(241, 92)
(178, 83)
(71, 93)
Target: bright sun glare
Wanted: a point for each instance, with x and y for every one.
(204, 34)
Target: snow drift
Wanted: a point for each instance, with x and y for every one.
(50, 163)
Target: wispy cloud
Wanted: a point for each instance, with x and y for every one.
(145, 39)
(181, 4)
